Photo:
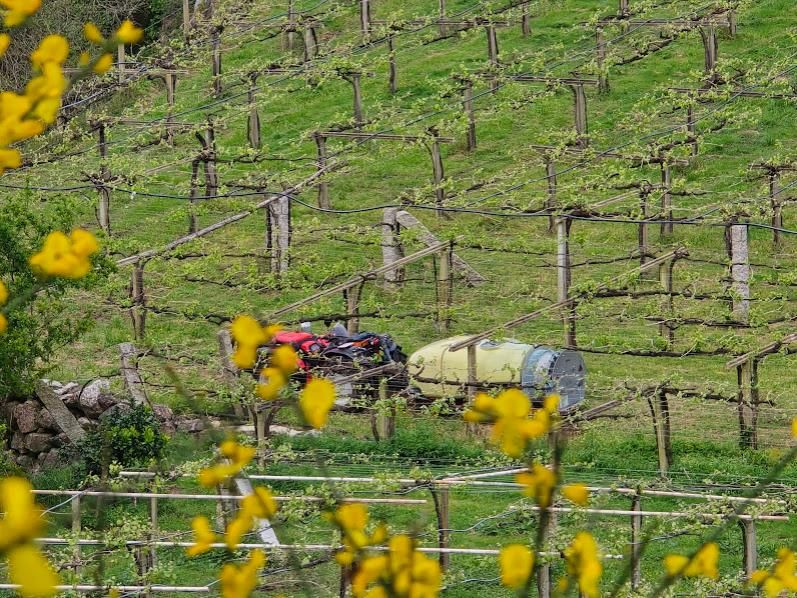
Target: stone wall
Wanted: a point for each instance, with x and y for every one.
(37, 435)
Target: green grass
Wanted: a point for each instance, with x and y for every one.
(518, 259)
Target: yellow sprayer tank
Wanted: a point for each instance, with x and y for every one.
(538, 370)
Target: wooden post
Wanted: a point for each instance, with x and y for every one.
(365, 17)
(211, 177)
(666, 329)
(391, 248)
(544, 580)
(691, 128)
(253, 122)
(600, 49)
(438, 174)
(750, 546)
(580, 109)
(440, 495)
(353, 296)
(391, 65)
(467, 103)
(153, 533)
(290, 31)
(76, 527)
(525, 20)
(492, 52)
(138, 313)
(666, 198)
(385, 416)
(710, 50)
(550, 199)
(660, 414)
(279, 214)
(192, 196)
(740, 273)
(441, 14)
(444, 289)
(229, 370)
(216, 60)
(170, 81)
(636, 543)
(731, 14)
(132, 379)
(310, 41)
(564, 278)
(120, 62)
(644, 193)
(623, 10)
(777, 207)
(104, 210)
(186, 18)
(358, 99)
(323, 188)
(747, 380)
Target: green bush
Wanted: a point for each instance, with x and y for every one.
(128, 437)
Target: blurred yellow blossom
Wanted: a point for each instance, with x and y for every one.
(103, 63)
(272, 382)
(128, 33)
(316, 400)
(576, 493)
(29, 568)
(52, 49)
(3, 293)
(239, 582)
(18, 10)
(92, 33)
(204, 536)
(403, 572)
(702, 564)
(539, 483)
(284, 358)
(517, 564)
(352, 519)
(248, 335)
(259, 505)
(583, 565)
(780, 578)
(66, 257)
(5, 41)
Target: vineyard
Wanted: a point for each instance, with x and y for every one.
(612, 178)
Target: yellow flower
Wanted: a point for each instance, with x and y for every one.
(9, 158)
(84, 59)
(316, 400)
(539, 484)
(19, 10)
(237, 529)
(352, 519)
(237, 453)
(3, 324)
(239, 582)
(583, 564)
(702, 564)
(285, 359)
(780, 578)
(794, 428)
(275, 381)
(65, 257)
(517, 563)
(22, 520)
(3, 293)
(103, 64)
(510, 412)
(260, 504)
(28, 568)
(92, 33)
(5, 41)
(248, 335)
(576, 493)
(210, 477)
(129, 33)
(203, 534)
(53, 48)
(403, 572)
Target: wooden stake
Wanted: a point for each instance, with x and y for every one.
(563, 272)
(600, 49)
(445, 283)
(492, 52)
(229, 369)
(132, 379)
(550, 199)
(644, 193)
(580, 110)
(441, 14)
(525, 21)
(76, 527)
(323, 188)
(138, 312)
(310, 42)
(153, 530)
(104, 210)
(279, 213)
(441, 497)
(170, 81)
(661, 423)
(365, 17)
(216, 61)
(290, 31)
(623, 10)
(544, 580)
(666, 199)
(691, 128)
(636, 543)
(740, 273)
(192, 196)
(354, 78)
(438, 174)
(747, 380)
(467, 103)
(209, 146)
(666, 329)
(391, 65)
(391, 248)
(750, 547)
(709, 35)
(186, 19)
(353, 296)
(253, 122)
(120, 62)
(777, 207)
